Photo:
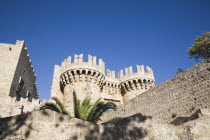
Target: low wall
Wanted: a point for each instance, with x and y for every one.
(12, 107)
(49, 125)
(43, 125)
(179, 96)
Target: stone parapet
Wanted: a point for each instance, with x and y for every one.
(177, 97)
(79, 64)
(140, 74)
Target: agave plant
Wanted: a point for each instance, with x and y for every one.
(58, 106)
(90, 112)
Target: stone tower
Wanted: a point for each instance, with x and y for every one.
(90, 79)
(18, 92)
(133, 84)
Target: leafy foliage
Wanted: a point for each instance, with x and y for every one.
(81, 110)
(84, 110)
(58, 106)
(90, 112)
(201, 47)
(98, 109)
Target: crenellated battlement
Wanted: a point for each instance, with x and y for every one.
(91, 79)
(135, 83)
(110, 77)
(140, 74)
(78, 63)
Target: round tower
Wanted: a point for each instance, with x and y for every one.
(88, 79)
(83, 78)
(132, 84)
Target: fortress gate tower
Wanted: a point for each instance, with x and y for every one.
(90, 79)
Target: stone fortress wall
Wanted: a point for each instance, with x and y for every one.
(89, 79)
(184, 94)
(18, 92)
(179, 97)
(51, 125)
(138, 118)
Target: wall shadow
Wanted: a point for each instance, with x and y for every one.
(181, 120)
(15, 126)
(128, 128)
(21, 127)
(11, 125)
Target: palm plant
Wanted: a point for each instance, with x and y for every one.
(84, 110)
(98, 109)
(90, 112)
(58, 106)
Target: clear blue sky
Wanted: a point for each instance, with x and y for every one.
(156, 33)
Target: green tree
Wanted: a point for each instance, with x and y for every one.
(58, 106)
(201, 47)
(90, 112)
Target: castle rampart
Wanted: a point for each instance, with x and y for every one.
(133, 84)
(83, 78)
(79, 64)
(178, 97)
(89, 79)
(141, 118)
(111, 91)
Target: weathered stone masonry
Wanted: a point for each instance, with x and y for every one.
(138, 118)
(18, 91)
(181, 96)
(89, 79)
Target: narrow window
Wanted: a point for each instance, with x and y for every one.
(29, 97)
(18, 96)
(20, 92)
